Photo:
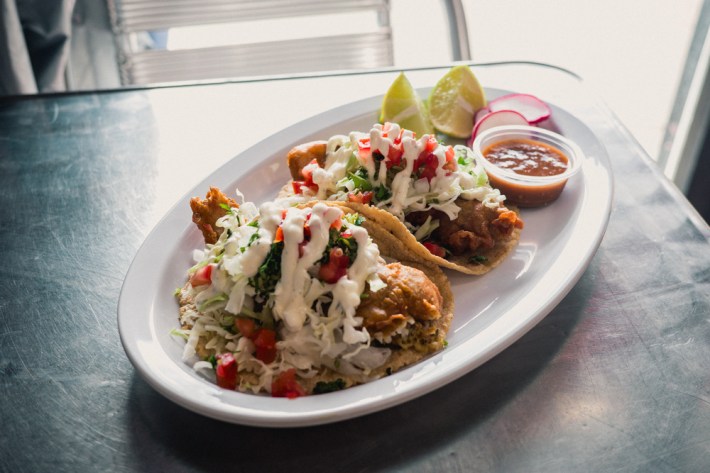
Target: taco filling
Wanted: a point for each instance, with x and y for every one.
(298, 300)
(440, 193)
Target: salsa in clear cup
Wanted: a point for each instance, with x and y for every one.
(530, 165)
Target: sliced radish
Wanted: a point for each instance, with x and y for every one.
(494, 119)
(549, 124)
(480, 114)
(532, 108)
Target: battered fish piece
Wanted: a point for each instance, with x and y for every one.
(477, 227)
(410, 296)
(303, 154)
(206, 212)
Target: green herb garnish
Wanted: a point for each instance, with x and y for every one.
(478, 259)
(323, 387)
(179, 333)
(269, 273)
(347, 244)
(213, 300)
(360, 183)
(382, 193)
(354, 219)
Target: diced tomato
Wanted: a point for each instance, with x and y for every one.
(299, 186)
(307, 182)
(394, 155)
(307, 171)
(227, 371)
(425, 165)
(202, 276)
(361, 197)
(285, 385)
(364, 148)
(279, 237)
(337, 224)
(434, 249)
(306, 237)
(450, 164)
(265, 342)
(335, 268)
(431, 144)
(245, 326)
(398, 140)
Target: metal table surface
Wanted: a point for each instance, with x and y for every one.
(616, 378)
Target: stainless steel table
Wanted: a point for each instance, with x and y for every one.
(616, 378)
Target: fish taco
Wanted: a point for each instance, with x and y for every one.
(440, 193)
(292, 301)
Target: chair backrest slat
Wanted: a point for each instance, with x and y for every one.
(305, 52)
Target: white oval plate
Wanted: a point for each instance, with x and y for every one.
(492, 311)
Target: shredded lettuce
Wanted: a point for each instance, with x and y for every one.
(176, 332)
(426, 229)
(212, 301)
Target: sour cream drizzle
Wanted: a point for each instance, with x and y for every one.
(407, 192)
(310, 335)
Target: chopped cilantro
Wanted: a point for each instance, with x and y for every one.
(477, 259)
(360, 183)
(213, 360)
(254, 236)
(323, 387)
(382, 193)
(347, 244)
(230, 211)
(269, 273)
(361, 173)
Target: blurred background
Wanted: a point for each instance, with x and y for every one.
(647, 59)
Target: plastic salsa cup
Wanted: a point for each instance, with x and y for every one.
(531, 149)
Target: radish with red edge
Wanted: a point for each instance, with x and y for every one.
(494, 119)
(482, 112)
(532, 108)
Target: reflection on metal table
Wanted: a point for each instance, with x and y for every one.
(615, 378)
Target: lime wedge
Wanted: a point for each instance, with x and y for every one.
(402, 105)
(454, 100)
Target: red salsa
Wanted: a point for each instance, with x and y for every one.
(528, 157)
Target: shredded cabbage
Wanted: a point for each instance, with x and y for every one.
(398, 188)
(315, 321)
